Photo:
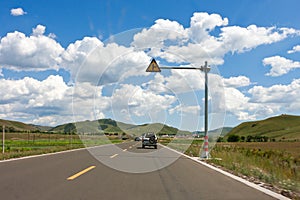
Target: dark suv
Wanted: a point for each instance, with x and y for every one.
(149, 139)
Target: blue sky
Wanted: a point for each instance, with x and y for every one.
(57, 64)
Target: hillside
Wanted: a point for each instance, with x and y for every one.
(14, 126)
(112, 126)
(283, 127)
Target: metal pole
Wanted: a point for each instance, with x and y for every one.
(3, 138)
(206, 69)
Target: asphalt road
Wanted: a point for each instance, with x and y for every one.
(80, 175)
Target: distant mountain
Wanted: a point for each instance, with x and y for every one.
(112, 126)
(215, 132)
(14, 126)
(283, 127)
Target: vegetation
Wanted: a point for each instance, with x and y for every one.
(279, 128)
(24, 144)
(276, 163)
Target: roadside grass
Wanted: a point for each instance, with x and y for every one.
(189, 147)
(276, 166)
(20, 144)
(274, 163)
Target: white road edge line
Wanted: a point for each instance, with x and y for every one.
(54, 153)
(248, 183)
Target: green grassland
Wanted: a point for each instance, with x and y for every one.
(279, 128)
(275, 163)
(25, 144)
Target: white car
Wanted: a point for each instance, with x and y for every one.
(149, 139)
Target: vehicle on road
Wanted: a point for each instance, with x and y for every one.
(149, 139)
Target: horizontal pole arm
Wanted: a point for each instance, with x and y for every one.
(180, 68)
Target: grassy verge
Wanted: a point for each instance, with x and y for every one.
(276, 164)
(20, 145)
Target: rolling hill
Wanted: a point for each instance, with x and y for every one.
(283, 127)
(96, 126)
(112, 126)
(15, 126)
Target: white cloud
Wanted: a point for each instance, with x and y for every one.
(34, 99)
(283, 94)
(195, 44)
(235, 82)
(51, 101)
(159, 33)
(38, 30)
(295, 49)
(17, 12)
(203, 23)
(240, 39)
(185, 110)
(89, 60)
(140, 102)
(280, 65)
(35, 53)
(263, 101)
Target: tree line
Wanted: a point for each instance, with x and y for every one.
(249, 138)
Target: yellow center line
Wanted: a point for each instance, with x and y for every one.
(124, 149)
(80, 173)
(114, 155)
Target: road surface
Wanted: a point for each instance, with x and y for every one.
(79, 175)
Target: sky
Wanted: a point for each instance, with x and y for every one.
(73, 60)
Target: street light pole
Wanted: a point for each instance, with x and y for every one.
(205, 69)
(153, 67)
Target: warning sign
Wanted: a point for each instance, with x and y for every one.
(153, 67)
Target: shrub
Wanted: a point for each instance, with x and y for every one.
(233, 138)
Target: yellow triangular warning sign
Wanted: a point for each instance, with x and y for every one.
(153, 67)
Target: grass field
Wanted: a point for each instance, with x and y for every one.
(274, 163)
(25, 144)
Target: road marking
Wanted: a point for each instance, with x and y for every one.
(114, 155)
(124, 149)
(80, 173)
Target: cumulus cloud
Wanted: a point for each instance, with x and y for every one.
(203, 23)
(240, 39)
(36, 52)
(95, 65)
(33, 99)
(50, 101)
(280, 65)
(89, 60)
(17, 12)
(235, 82)
(263, 101)
(38, 30)
(195, 44)
(295, 49)
(185, 110)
